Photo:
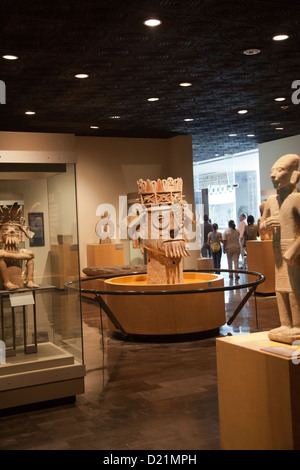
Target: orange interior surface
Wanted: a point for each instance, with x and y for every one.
(141, 279)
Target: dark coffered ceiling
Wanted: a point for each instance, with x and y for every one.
(198, 41)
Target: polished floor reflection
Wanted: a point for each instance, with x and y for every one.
(139, 395)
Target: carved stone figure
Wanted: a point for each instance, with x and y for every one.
(162, 231)
(264, 235)
(12, 228)
(281, 216)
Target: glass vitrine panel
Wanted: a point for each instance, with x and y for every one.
(41, 323)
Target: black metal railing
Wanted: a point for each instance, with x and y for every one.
(98, 294)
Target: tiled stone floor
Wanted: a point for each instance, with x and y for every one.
(139, 395)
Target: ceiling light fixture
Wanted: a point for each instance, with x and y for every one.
(152, 22)
(188, 119)
(279, 128)
(185, 84)
(243, 111)
(30, 112)
(280, 37)
(153, 99)
(94, 127)
(280, 99)
(81, 75)
(251, 51)
(232, 135)
(250, 135)
(10, 57)
(115, 117)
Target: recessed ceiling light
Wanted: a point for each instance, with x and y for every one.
(251, 51)
(279, 99)
(280, 37)
(243, 111)
(10, 57)
(152, 22)
(115, 117)
(81, 75)
(94, 127)
(232, 135)
(188, 119)
(279, 128)
(250, 135)
(185, 84)
(153, 99)
(30, 112)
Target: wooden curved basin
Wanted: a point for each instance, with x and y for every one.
(167, 314)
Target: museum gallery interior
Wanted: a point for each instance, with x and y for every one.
(124, 324)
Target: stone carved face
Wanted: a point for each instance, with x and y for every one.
(165, 223)
(10, 236)
(285, 171)
(280, 176)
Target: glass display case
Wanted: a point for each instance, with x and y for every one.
(41, 351)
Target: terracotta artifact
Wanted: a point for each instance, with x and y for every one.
(281, 216)
(12, 228)
(162, 232)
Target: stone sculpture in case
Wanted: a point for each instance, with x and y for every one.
(13, 259)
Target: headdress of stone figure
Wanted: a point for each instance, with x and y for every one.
(13, 216)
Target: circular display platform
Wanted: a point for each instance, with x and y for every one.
(166, 314)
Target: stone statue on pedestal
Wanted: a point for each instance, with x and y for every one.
(162, 232)
(281, 216)
(12, 228)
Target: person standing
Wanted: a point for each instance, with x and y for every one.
(251, 230)
(205, 250)
(242, 225)
(214, 238)
(232, 247)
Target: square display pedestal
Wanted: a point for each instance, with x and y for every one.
(259, 394)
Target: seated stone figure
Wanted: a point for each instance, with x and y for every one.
(13, 259)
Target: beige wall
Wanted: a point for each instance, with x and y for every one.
(269, 152)
(106, 169)
(37, 141)
(110, 167)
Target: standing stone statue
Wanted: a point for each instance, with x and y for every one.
(281, 215)
(162, 234)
